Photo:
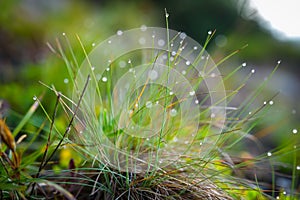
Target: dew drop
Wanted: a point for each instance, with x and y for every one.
(253, 71)
(298, 167)
(183, 72)
(173, 112)
(143, 27)
(148, 104)
(196, 101)
(279, 61)
(109, 61)
(171, 58)
(192, 93)
(295, 131)
(104, 79)
(213, 75)
(209, 32)
(119, 32)
(269, 154)
(284, 192)
(171, 93)
(173, 53)
(129, 61)
(93, 44)
(186, 142)
(265, 102)
(244, 64)
(171, 44)
(157, 102)
(122, 64)
(34, 98)
(213, 115)
(107, 69)
(161, 42)
(152, 74)
(167, 15)
(93, 68)
(175, 139)
(66, 80)
(187, 63)
(271, 102)
(195, 48)
(250, 113)
(153, 36)
(201, 143)
(147, 139)
(63, 33)
(109, 42)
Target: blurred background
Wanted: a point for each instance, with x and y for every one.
(269, 28)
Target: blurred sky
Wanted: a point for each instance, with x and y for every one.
(281, 16)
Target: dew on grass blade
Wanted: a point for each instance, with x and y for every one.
(209, 32)
(104, 79)
(187, 63)
(269, 154)
(173, 112)
(148, 104)
(244, 64)
(192, 93)
(295, 131)
(298, 167)
(253, 71)
(119, 32)
(34, 98)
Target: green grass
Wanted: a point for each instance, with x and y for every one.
(130, 131)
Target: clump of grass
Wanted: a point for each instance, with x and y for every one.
(149, 117)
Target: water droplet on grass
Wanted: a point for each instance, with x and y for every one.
(265, 102)
(183, 72)
(279, 61)
(66, 80)
(93, 68)
(119, 32)
(196, 101)
(129, 61)
(173, 53)
(271, 102)
(187, 63)
(295, 131)
(171, 93)
(107, 69)
(195, 48)
(253, 71)
(109, 41)
(93, 44)
(167, 15)
(34, 98)
(244, 64)
(104, 79)
(209, 32)
(298, 167)
(63, 33)
(148, 104)
(173, 112)
(192, 93)
(269, 154)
